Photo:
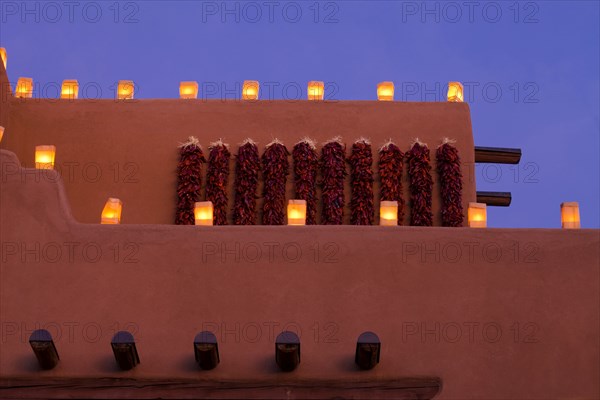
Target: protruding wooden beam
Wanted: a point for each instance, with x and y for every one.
(497, 155)
(494, 199)
(301, 388)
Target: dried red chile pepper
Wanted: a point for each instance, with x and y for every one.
(275, 170)
(246, 183)
(421, 185)
(448, 167)
(217, 176)
(391, 163)
(306, 163)
(189, 181)
(333, 173)
(361, 180)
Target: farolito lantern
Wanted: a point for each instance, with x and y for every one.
(3, 56)
(455, 92)
(1, 133)
(24, 88)
(188, 90)
(70, 89)
(296, 212)
(203, 213)
(385, 91)
(111, 214)
(388, 213)
(44, 156)
(477, 215)
(250, 90)
(125, 90)
(316, 90)
(569, 215)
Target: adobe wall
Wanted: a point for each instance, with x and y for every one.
(5, 97)
(492, 313)
(128, 150)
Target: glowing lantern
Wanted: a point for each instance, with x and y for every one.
(3, 56)
(24, 88)
(111, 214)
(1, 132)
(296, 212)
(385, 91)
(388, 213)
(125, 90)
(203, 213)
(70, 89)
(316, 90)
(44, 156)
(455, 92)
(188, 90)
(250, 90)
(569, 215)
(477, 215)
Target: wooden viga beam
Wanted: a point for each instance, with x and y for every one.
(494, 199)
(116, 388)
(497, 155)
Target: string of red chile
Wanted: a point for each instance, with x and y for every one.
(361, 181)
(217, 176)
(275, 170)
(189, 180)
(391, 163)
(450, 175)
(306, 163)
(245, 183)
(333, 173)
(421, 185)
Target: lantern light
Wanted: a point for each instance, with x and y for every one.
(1, 133)
(125, 90)
(477, 215)
(287, 351)
(455, 92)
(70, 89)
(569, 215)
(123, 346)
(188, 90)
(203, 213)
(44, 156)
(368, 349)
(44, 349)
(296, 212)
(316, 90)
(3, 56)
(111, 214)
(250, 90)
(388, 213)
(385, 91)
(24, 88)
(206, 350)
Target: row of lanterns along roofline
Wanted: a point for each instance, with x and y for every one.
(388, 213)
(296, 209)
(206, 350)
(189, 89)
(250, 90)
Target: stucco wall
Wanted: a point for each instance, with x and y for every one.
(5, 97)
(493, 313)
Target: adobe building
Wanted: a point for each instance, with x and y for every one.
(459, 312)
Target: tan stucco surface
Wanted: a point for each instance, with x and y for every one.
(494, 313)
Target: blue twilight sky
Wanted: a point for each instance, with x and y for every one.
(532, 69)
